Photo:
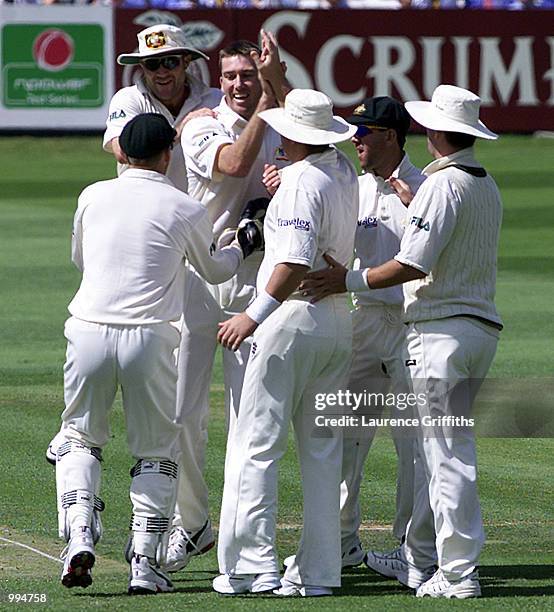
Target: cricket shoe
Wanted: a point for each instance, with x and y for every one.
(440, 586)
(352, 557)
(394, 565)
(183, 545)
(240, 584)
(147, 578)
(78, 559)
(292, 589)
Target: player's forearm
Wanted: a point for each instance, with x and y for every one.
(238, 158)
(285, 279)
(220, 266)
(117, 151)
(386, 275)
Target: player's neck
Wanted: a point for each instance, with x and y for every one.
(175, 105)
(387, 165)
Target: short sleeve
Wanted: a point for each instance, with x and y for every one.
(123, 107)
(201, 139)
(431, 221)
(297, 227)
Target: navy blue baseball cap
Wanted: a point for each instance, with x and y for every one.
(382, 111)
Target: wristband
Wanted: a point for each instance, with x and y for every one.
(356, 280)
(262, 307)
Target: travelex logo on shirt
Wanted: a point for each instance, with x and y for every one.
(369, 221)
(297, 223)
(420, 223)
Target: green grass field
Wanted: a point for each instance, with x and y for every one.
(39, 184)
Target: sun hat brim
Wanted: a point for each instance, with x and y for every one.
(338, 131)
(427, 115)
(129, 59)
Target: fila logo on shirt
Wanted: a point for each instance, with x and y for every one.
(297, 223)
(206, 138)
(420, 223)
(120, 114)
(367, 222)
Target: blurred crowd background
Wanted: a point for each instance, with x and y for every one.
(307, 4)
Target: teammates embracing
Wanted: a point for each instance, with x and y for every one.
(172, 261)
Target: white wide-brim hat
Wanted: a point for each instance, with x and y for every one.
(308, 118)
(157, 40)
(452, 109)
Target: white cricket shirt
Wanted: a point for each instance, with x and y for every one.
(201, 139)
(130, 237)
(381, 223)
(131, 101)
(313, 212)
(452, 236)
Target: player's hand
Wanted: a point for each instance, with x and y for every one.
(325, 282)
(118, 151)
(199, 112)
(233, 331)
(402, 189)
(271, 178)
(271, 70)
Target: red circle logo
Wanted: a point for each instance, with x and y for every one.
(53, 50)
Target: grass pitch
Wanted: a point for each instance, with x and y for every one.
(40, 181)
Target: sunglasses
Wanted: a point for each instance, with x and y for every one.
(364, 130)
(169, 62)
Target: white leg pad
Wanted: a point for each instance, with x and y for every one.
(153, 491)
(78, 475)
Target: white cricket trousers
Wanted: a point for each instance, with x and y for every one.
(202, 313)
(449, 358)
(301, 350)
(378, 338)
(140, 359)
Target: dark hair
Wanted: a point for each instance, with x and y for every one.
(150, 162)
(239, 47)
(459, 140)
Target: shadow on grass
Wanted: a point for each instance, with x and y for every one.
(359, 582)
(496, 579)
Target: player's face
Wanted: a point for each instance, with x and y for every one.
(240, 84)
(370, 143)
(166, 79)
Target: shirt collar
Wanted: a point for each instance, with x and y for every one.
(232, 119)
(142, 173)
(327, 156)
(400, 171)
(464, 157)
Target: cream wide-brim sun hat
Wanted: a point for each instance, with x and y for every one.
(308, 118)
(452, 109)
(159, 40)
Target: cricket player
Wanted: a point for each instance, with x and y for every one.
(130, 239)
(447, 260)
(299, 349)
(164, 87)
(378, 330)
(225, 154)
